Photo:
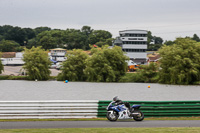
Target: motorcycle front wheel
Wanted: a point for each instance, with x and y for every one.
(112, 116)
(139, 116)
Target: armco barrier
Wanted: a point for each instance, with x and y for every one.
(160, 108)
(91, 109)
(48, 109)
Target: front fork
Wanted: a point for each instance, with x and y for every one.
(111, 114)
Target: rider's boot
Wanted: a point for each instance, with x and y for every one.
(129, 112)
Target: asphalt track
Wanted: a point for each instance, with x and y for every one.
(99, 124)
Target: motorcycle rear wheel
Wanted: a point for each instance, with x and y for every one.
(138, 117)
(112, 116)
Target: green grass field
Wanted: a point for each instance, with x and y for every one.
(101, 119)
(105, 130)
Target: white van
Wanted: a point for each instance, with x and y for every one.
(12, 61)
(3, 61)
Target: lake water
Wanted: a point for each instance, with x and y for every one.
(56, 90)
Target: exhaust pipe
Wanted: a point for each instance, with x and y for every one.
(135, 113)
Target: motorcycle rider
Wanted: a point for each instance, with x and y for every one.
(117, 101)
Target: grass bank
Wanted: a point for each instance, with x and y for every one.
(106, 130)
(101, 119)
(9, 77)
(139, 78)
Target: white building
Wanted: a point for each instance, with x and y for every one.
(58, 54)
(134, 43)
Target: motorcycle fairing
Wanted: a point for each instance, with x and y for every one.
(136, 106)
(117, 108)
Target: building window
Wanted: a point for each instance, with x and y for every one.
(135, 42)
(132, 38)
(133, 35)
(134, 50)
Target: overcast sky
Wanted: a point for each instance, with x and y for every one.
(165, 18)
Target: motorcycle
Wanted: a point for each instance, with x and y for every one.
(115, 112)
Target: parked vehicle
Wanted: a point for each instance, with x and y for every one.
(58, 66)
(132, 66)
(53, 66)
(12, 61)
(121, 111)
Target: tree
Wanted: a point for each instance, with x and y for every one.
(155, 39)
(196, 38)
(76, 39)
(158, 40)
(153, 42)
(16, 34)
(169, 42)
(30, 33)
(31, 43)
(149, 37)
(148, 72)
(73, 68)
(106, 65)
(50, 39)
(3, 31)
(36, 63)
(86, 30)
(1, 66)
(10, 46)
(154, 47)
(41, 29)
(180, 62)
(106, 42)
(99, 35)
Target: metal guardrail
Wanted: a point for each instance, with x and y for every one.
(91, 109)
(160, 108)
(48, 109)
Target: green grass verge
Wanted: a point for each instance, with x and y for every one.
(106, 130)
(138, 78)
(4, 77)
(131, 77)
(8, 77)
(101, 119)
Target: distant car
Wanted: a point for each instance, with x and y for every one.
(53, 66)
(58, 66)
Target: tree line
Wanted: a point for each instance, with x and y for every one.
(14, 39)
(158, 41)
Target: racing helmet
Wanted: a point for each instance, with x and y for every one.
(115, 98)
